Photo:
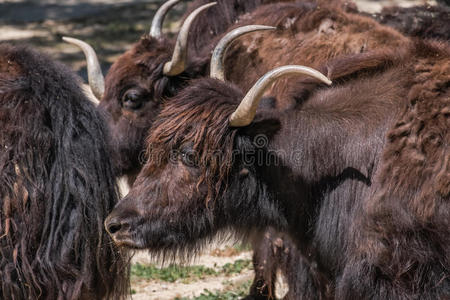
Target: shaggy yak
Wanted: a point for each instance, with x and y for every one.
(358, 175)
(56, 186)
(136, 85)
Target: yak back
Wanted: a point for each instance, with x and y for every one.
(307, 34)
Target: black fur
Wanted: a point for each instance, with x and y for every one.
(56, 186)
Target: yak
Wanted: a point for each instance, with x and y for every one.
(358, 175)
(56, 186)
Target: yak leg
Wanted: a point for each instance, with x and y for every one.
(265, 266)
(274, 252)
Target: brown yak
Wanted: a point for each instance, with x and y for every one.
(56, 186)
(358, 175)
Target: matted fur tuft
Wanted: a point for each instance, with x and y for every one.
(56, 186)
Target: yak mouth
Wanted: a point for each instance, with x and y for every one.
(128, 242)
(150, 235)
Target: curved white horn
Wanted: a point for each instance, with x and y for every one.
(217, 60)
(179, 57)
(245, 113)
(158, 19)
(95, 76)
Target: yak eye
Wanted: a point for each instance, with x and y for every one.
(133, 99)
(189, 157)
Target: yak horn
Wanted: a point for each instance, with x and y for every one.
(158, 19)
(179, 57)
(218, 56)
(245, 113)
(95, 76)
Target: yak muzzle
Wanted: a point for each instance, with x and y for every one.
(121, 231)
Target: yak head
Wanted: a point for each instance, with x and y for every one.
(137, 84)
(201, 174)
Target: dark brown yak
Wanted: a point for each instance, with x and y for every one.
(56, 186)
(359, 175)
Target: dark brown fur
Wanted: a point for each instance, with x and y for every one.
(56, 186)
(426, 21)
(367, 204)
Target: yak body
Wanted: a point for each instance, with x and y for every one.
(358, 176)
(56, 186)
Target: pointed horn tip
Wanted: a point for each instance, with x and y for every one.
(158, 18)
(73, 41)
(176, 65)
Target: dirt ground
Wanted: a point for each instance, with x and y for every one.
(111, 27)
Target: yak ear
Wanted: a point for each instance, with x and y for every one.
(267, 127)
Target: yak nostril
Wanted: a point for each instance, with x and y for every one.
(113, 227)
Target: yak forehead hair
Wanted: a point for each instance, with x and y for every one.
(56, 187)
(199, 115)
(141, 61)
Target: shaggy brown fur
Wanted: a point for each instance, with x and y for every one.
(352, 204)
(56, 186)
(405, 225)
(218, 19)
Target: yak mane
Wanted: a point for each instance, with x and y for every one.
(56, 186)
